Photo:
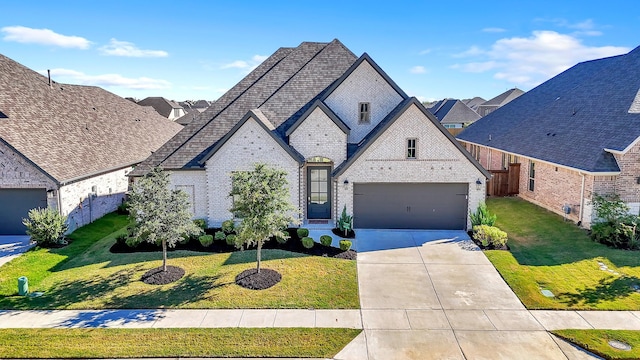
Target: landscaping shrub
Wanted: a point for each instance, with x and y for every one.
(201, 223)
(121, 239)
(615, 227)
(281, 240)
(345, 223)
(326, 240)
(307, 242)
(206, 240)
(345, 245)
(132, 242)
(231, 239)
(123, 209)
(302, 232)
(490, 236)
(228, 226)
(482, 216)
(220, 235)
(46, 226)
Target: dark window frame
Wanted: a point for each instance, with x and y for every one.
(364, 109)
(412, 148)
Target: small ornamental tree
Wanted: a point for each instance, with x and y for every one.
(261, 199)
(46, 226)
(161, 215)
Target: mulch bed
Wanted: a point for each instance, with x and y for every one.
(339, 233)
(251, 279)
(158, 277)
(220, 246)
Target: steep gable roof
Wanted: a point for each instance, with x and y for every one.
(163, 106)
(279, 87)
(318, 104)
(474, 103)
(452, 111)
(572, 118)
(356, 152)
(72, 131)
(503, 98)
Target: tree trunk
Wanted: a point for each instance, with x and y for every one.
(164, 255)
(259, 254)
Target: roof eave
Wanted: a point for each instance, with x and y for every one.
(324, 108)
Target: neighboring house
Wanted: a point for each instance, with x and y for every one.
(474, 103)
(344, 132)
(453, 114)
(489, 106)
(164, 107)
(574, 135)
(68, 147)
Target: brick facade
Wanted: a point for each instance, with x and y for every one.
(194, 183)
(364, 84)
(16, 172)
(437, 161)
(318, 135)
(250, 144)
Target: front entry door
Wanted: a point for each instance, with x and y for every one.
(319, 192)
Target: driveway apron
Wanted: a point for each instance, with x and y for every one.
(435, 295)
(12, 246)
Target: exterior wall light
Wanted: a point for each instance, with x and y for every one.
(478, 184)
(346, 184)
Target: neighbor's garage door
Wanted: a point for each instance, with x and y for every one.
(15, 205)
(410, 206)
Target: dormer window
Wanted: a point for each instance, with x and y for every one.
(365, 113)
(411, 148)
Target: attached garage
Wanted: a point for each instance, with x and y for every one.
(15, 205)
(410, 206)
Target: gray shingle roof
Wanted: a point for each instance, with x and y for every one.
(73, 131)
(163, 106)
(282, 85)
(503, 98)
(452, 111)
(474, 103)
(570, 119)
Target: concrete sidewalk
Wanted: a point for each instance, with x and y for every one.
(12, 246)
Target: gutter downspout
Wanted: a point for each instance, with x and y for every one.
(581, 200)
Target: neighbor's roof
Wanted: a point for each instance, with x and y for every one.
(73, 131)
(163, 106)
(474, 103)
(503, 98)
(452, 111)
(280, 88)
(572, 118)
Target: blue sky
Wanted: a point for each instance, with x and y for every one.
(199, 49)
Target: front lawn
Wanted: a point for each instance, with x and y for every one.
(85, 275)
(549, 253)
(173, 343)
(597, 342)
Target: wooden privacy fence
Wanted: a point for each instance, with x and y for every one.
(504, 182)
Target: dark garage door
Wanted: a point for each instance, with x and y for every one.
(15, 205)
(410, 206)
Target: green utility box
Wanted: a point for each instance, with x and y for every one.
(23, 286)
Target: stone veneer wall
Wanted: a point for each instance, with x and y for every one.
(364, 84)
(249, 145)
(17, 172)
(438, 161)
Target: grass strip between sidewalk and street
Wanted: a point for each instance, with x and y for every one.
(597, 342)
(191, 342)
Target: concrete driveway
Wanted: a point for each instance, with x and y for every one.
(434, 295)
(12, 246)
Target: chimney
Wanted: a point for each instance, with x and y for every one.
(49, 75)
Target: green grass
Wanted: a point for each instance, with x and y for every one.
(549, 253)
(85, 275)
(141, 343)
(596, 341)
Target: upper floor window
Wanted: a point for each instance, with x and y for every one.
(365, 113)
(411, 148)
(508, 159)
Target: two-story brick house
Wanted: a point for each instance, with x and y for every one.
(344, 132)
(574, 135)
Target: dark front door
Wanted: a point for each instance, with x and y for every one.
(319, 192)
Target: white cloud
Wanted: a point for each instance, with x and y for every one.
(586, 27)
(27, 35)
(125, 48)
(532, 60)
(107, 80)
(244, 64)
(493, 30)
(418, 70)
(472, 51)
(425, 51)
